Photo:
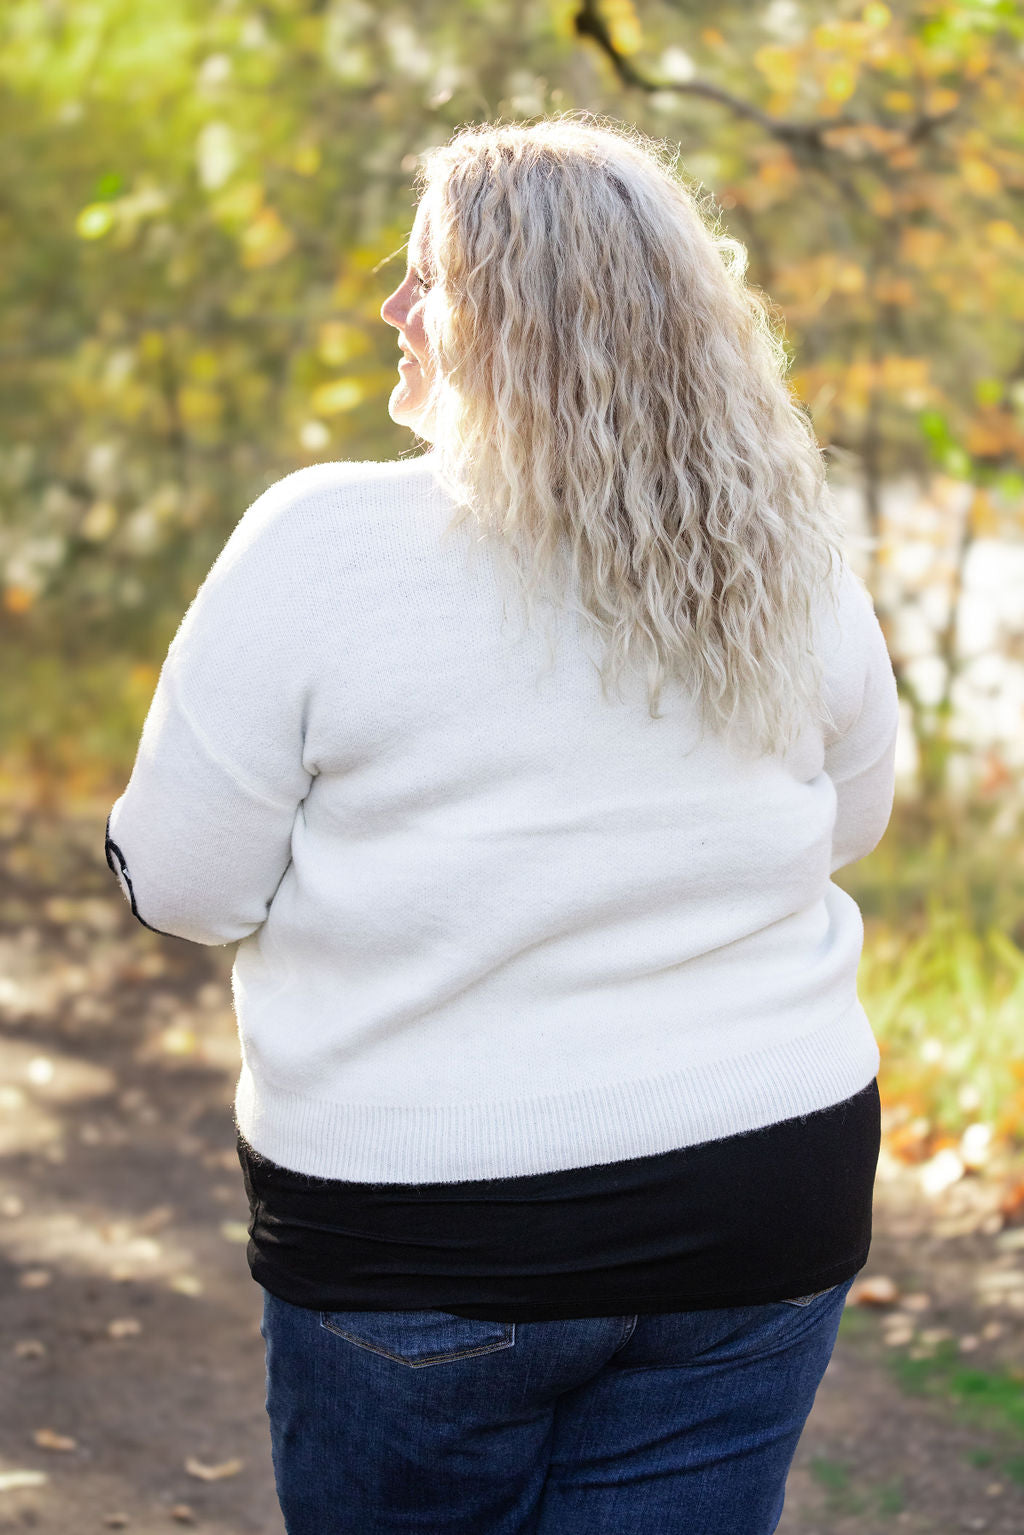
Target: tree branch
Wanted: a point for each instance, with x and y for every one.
(588, 22)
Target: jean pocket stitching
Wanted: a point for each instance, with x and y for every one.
(445, 1356)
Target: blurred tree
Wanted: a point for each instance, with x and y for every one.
(198, 206)
(875, 174)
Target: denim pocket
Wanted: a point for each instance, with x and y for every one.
(805, 1300)
(418, 1338)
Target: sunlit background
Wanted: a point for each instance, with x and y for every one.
(198, 201)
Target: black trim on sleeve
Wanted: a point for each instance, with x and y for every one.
(121, 874)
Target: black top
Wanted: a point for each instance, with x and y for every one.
(762, 1216)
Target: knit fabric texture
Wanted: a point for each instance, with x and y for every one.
(490, 922)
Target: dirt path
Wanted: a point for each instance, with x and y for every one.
(130, 1342)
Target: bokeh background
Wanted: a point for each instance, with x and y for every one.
(203, 204)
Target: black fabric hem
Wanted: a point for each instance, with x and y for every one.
(653, 1304)
(643, 1304)
(743, 1221)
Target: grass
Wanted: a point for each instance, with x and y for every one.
(942, 979)
(992, 1398)
(841, 1497)
(834, 1478)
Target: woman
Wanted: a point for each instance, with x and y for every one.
(557, 1111)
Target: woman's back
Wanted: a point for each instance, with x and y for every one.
(512, 926)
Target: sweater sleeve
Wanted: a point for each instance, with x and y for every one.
(860, 758)
(201, 836)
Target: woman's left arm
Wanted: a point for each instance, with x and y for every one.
(201, 837)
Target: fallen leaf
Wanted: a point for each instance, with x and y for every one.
(941, 1171)
(216, 1473)
(49, 1439)
(187, 1284)
(34, 1279)
(124, 1327)
(183, 1514)
(9, 1480)
(877, 1291)
(29, 1348)
(155, 1219)
(1011, 1204)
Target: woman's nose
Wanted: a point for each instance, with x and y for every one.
(390, 310)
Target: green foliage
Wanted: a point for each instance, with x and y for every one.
(991, 1399)
(205, 205)
(942, 978)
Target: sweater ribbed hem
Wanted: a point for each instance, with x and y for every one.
(446, 1143)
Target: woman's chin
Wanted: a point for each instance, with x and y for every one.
(412, 416)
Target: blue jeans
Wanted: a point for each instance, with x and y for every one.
(422, 1421)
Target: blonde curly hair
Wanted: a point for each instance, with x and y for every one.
(609, 389)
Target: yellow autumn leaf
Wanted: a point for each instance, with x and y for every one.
(941, 100)
(894, 290)
(980, 176)
(199, 406)
(306, 160)
(776, 172)
(94, 221)
(239, 203)
(840, 81)
(142, 677)
(984, 519)
(908, 378)
(623, 25)
(858, 381)
(18, 599)
(921, 246)
(337, 343)
(779, 67)
(991, 434)
(828, 35)
(562, 18)
(849, 278)
(898, 101)
(1001, 233)
(203, 365)
(266, 240)
(152, 345)
(99, 521)
(977, 64)
(333, 398)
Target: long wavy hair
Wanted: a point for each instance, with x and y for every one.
(609, 404)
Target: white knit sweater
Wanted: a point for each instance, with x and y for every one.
(490, 923)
